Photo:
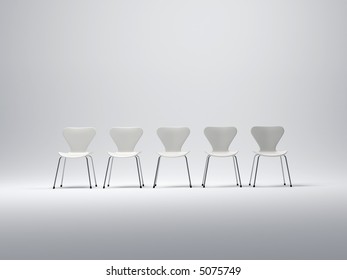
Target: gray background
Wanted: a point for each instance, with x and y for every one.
(182, 63)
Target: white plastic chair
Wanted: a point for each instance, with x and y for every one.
(267, 138)
(78, 139)
(173, 139)
(125, 139)
(220, 139)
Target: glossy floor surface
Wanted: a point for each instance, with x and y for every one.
(307, 221)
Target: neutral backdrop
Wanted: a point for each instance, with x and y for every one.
(173, 63)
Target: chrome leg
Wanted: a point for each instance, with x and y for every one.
(62, 177)
(56, 173)
(143, 182)
(138, 171)
(205, 172)
(250, 179)
(93, 170)
(90, 182)
(110, 172)
(108, 163)
(156, 173)
(290, 180)
(284, 179)
(190, 182)
(236, 177)
(256, 171)
(238, 171)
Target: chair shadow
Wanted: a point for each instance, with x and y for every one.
(62, 188)
(212, 186)
(123, 187)
(285, 186)
(172, 187)
(222, 186)
(74, 187)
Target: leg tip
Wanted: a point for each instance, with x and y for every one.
(53, 187)
(108, 185)
(190, 186)
(96, 185)
(291, 185)
(61, 185)
(240, 186)
(103, 187)
(249, 184)
(253, 186)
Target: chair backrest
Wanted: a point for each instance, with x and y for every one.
(267, 137)
(79, 138)
(126, 138)
(173, 138)
(220, 138)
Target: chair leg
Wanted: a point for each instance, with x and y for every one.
(143, 182)
(284, 179)
(138, 172)
(108, 163)
(62, 176)
(290, 180)
(236, 177)
(250, 178)
(91, 158)
(110, 173)
(90, 182)
(156, 173)
(205, 172)
(190, 182)
(256, 171)
(56, 173)
(238, 171)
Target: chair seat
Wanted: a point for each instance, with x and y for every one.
(172, 154)
(271, 154)
(74, 154)
(123, 154)
(223, 154)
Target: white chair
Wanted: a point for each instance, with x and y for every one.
(267, 138)
(78, 139)
(125, 139)
(173, 139)
(220, 139)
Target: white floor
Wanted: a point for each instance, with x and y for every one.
(307, 221)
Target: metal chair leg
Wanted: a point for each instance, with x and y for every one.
(284, 179)
(62, 177)
(205, 172)
(138, 171)
(190, 182)
(256, 171)
(156, 173)
(238, 171)
(290, 180)
(236, 177)
(143, 182)
(90, 182)
(108, 163)
(91, 158)
(250, 179)
(56, 173)
(110, 173)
